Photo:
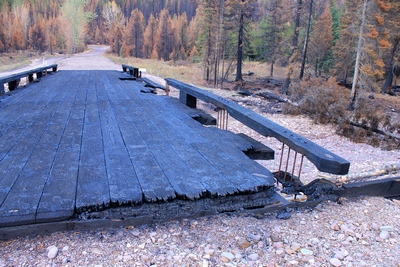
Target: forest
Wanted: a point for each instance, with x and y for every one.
(347, 39)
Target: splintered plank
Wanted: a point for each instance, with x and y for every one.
(122, 180)
(215, 182)
(155, 185)
(92, 188)
(175, 169)
(230, 149)
(154, 182)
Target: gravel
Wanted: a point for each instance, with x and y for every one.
(362, 231)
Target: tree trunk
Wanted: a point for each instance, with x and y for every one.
(272, 68)
(388, 80)
(359, 48)
(240, 48)
(218, 43)
(293, 55)
(303, 62)
(389, 74)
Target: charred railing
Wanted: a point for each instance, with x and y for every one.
(324, 160)
(13, 80)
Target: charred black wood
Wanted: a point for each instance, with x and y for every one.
(270, 95)
(127, 78)
(245, 92)
(258, 151)
(323, 159)
(150, 83)
(13, 80)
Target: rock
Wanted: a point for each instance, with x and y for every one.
(227, 256)
(192, 257)
(335, 262)
(209, 251)
(384, 235)
(253, 238)
(388, 228)
(253, 257)
(243, 243)
(204, 263)
(306, 252)
(335, 227)
(295, 247)
(277, 245)
(275, 238)
(52, 252)
(96, 251)
(341, 254)
(289, 251)
(279, 251)
(397, 202)
(284, 215)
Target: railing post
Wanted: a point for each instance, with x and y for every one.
(188, 100)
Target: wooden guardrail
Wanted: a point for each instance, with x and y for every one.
(323, 159)
(13, 80)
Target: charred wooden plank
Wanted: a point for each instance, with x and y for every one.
(122, 180)
(152, 84)
(389, 188)
(258, 151)
(323, 159)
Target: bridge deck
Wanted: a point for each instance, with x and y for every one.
(85, 141)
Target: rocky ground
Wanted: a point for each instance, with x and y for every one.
(363, 231)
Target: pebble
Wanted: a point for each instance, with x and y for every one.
(384, 235)
(388, 228)
(243, 243)
(341, 254)
(253, 257)
(52, 252)
(209, 251)
(227, 256)
(204, 263)
(306, 252)
(335, 262)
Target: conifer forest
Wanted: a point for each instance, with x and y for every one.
(341, 38)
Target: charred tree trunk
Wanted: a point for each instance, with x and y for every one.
(305, 49)
(295, 48)
(389, 74)
(240, 47)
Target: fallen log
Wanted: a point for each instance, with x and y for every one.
(268, 94)
(378, 131)
(392, 168)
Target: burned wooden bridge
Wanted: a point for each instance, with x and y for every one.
(87, 144)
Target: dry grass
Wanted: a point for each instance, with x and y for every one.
(13, 61)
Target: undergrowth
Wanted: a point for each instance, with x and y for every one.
(327, 102)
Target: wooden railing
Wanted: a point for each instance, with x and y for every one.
(134, 71)
(13, 80)
(323, 159)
